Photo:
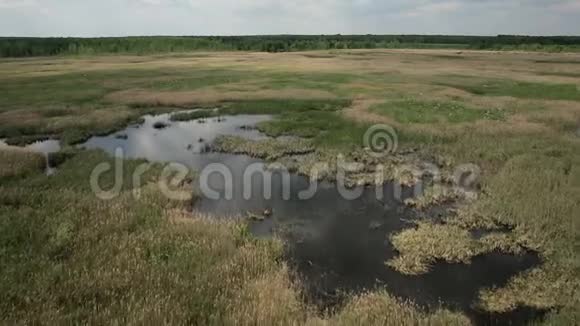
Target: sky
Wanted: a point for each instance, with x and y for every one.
(89, 18)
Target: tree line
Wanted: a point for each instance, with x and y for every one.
(26, 47)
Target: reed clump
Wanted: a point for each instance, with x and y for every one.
(19, 162)
(270, 149)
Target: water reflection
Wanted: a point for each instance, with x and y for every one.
(45, 147)
(181, 142)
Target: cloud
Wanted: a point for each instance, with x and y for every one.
(235, 17)
(8, 4)
(567, 7)
(435, 8)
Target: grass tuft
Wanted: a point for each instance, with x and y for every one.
(523, 289)
(20, 163)
(420, 248)
(415, 111)
(193, 115)
(269, 149)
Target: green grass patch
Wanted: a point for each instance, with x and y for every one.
(519, 89)
(193, 115)
(319, 120)
(416, 111)
(25, 140)
(78, 135)
(82, 123)
(330, 78)
(325, 129)
(559, 74)
(89, 87)
(77, 166)
(75, 88)
(320, 81)
(195, 79)
(283, 106)
(25, 133)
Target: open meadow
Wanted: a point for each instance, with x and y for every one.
(67, 256)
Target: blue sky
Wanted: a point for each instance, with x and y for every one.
(242, 17)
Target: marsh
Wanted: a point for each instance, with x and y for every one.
(503, 253)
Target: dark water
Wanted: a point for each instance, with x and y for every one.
(340, 246)
(45, 147)
(336, 245)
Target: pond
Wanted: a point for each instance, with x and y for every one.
(179, 141)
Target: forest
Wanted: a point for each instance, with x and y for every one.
(29, 47)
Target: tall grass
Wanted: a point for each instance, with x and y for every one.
(69, 257)
(19, 163)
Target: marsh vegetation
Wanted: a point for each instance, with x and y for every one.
(69, 257)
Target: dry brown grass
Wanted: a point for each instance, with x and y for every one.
(421, 247)
(15, 162)
(435, 195)
(542, 288)
(102, 118)
(382, 309)
(20, 117)
(512, 65)
(271, 300)
(359, 111)
(269, 149)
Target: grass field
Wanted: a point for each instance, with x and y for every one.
(68, 257)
